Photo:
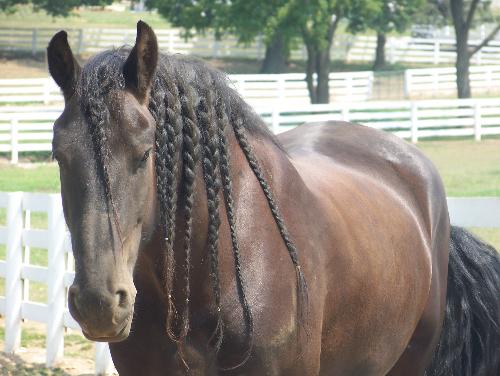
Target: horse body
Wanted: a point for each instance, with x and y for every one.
(357, 214)
(366, 181)
(362, 286)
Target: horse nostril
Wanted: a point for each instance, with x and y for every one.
(72, 298)
(121, 297)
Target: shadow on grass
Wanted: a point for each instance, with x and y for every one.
(11, 364)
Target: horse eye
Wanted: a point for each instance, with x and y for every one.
(146, 156)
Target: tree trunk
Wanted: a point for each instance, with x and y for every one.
(276, 55)
(310, 70)
(323, 72)
(380, 52)
(462, 65)
(318, 62)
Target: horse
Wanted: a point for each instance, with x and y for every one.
(204, 245)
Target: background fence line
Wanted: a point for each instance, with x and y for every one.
(257, 89)
(24, 129)
(262, 89)
(16, 269)
(346, 47)
(442, 81)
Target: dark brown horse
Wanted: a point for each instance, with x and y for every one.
(204, 245)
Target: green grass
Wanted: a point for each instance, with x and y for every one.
(468, 168)
(25, 17)
(43, 177)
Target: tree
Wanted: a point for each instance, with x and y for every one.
(245, 19)
(317, 21)
(52, 7)
(462, 14)
(393, 15)
(314, 21)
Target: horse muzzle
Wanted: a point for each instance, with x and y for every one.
(103, 315)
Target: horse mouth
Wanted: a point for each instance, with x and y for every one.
(121, 335)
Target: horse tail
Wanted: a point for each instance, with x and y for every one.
(470, 338)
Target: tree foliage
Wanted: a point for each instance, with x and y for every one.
(52, 7)
(464, 15)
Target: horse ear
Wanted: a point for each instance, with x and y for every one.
(63, 66)
(140, 66)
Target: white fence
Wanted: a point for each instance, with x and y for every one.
(441, 81)
(18, 237)
(407, 119)
(257, 89)
(353, 48)
(423, 51)
(262, 89)
(25, 129)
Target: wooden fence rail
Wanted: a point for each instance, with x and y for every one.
(24, 129)
(257, 89)
(16, 269)
(263, 89)
(346, 47)
(442, 81)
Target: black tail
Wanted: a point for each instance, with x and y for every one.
(470, 340)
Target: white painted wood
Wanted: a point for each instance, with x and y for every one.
(103, 361)
(14, 141)
(35, 312)
(475, 211)
(13, 282)
(56, 288)
(477, 122)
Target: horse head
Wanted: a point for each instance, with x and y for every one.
(104, 143)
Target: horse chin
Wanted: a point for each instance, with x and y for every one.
(120, 335)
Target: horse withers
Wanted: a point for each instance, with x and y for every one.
(204, 245)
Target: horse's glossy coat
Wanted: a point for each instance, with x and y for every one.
(367, 213)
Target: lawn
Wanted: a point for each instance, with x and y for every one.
(25, 17)
(468, 168)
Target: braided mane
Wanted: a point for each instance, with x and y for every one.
(195, 110)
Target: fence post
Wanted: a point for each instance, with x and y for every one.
(103, 361)
(13, 282)
(46, 91)
(414, 123)
(170, 42)
(215, 48)
(345, 113)
(79, 48)
(391, 51)
(477, 121)
(14, 152)
(478, 57)
(437, 47)
(34, 37)
(281, 88)
(407, 83)
(56, 290)
(259, 47)
(275, 120)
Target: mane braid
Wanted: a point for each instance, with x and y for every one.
(223, 123)
(207, 122)
(166, 109)
(94, 85)
(302, 298)
(189, 157)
